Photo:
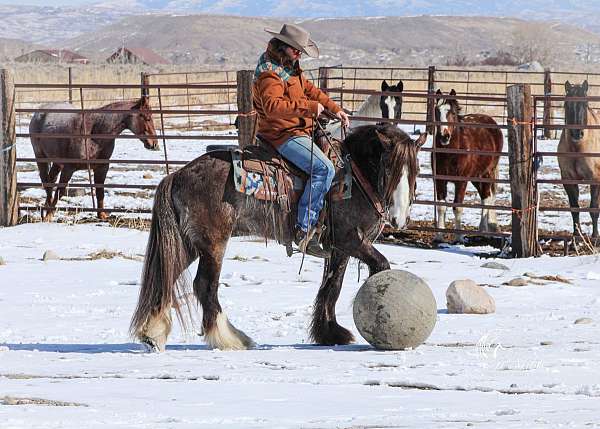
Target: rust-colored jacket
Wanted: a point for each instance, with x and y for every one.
(286, 108)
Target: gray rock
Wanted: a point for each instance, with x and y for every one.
(395, 310)
(546, 343)
(75, 192)
(583, 321)
(466, 297)
(49, 255)
(518, 281)
(495, 266)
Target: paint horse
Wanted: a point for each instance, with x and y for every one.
(197, 208)
(452, 135)
(580, 140)
(136, 118)
(376, 106)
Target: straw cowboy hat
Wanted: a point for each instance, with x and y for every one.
(296, 37)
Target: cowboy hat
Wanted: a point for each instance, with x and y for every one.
(296, 37)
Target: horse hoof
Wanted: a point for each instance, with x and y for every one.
(103, 215)
(151, 346)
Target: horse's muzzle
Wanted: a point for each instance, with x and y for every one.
(576, 135)
(151, 144)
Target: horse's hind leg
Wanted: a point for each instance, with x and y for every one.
(219, 333)
(324, 328)
(573, 194)
(594, 204)
(65, 175)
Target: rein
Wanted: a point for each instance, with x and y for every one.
(375, 200)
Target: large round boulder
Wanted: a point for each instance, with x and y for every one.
(395, 310)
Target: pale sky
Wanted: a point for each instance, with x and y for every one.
(46, 2)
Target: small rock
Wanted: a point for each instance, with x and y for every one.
(466, 297)
(546, 343)
(513, 386)
(495, 266)
(518, 281)
(49, 255)
(147, 176)
(583, 321)
(75, 192)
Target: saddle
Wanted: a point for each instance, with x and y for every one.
(259, 171)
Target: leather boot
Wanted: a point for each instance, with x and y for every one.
(308, 243)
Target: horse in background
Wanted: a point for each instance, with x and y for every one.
(578, 112)
(137, 119)
(453, 136)
(376, 106)
(197, 208)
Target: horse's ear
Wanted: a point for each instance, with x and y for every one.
(385, 140)
(452, 92)
(400, 86)
(439, 101)
(421, 140)
(384, 86)
(142, 103)
(568, 87)
(585, 86)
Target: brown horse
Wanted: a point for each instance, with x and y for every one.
(573, 140)
(197, 207)
(454, 136)
(138, 120)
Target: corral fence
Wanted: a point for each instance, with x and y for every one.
(203, 107)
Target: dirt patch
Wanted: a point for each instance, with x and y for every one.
(10, 400)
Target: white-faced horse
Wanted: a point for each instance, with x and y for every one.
(376, 106)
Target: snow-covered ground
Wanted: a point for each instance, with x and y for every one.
(66, 360)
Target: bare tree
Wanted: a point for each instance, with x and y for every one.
(532, 42)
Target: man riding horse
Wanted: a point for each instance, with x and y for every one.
(287, 105)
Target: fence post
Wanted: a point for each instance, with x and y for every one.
(70, 85)
(523, 186)
(9, 202)
(246, 119)
(547, 103)
(144, 80)
(430, 116)
(324, 78)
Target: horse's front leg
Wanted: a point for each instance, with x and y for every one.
(460, 189)
(573, 194)
(324, 328)
(441, 192)
(99, 178)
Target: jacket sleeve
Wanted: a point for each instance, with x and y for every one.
(271, 90)
(314, 93)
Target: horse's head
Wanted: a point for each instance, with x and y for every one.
(399, 167)
(576, 111)
(446, 110)
(140, 123)
(391, 105)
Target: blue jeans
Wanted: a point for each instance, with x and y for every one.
(297, 150)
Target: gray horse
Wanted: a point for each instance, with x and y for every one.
(137, 119)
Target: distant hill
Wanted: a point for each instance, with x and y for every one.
(11, 48)
(418, 40)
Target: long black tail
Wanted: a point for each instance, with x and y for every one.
(166, 258)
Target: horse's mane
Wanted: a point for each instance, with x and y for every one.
(366, 149)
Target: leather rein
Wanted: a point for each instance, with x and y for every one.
(365, 186)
